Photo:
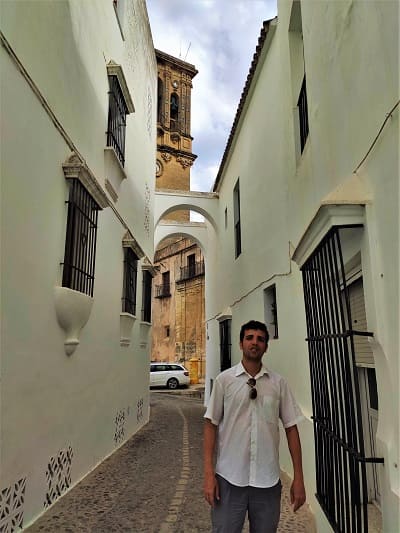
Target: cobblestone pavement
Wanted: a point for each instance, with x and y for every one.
(153, 484)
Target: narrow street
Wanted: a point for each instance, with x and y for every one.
(153, 484)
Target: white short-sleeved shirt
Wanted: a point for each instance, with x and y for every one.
(248, 430)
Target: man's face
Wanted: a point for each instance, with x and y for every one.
(254, 344)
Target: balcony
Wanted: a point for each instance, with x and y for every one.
(163, 291)
(191, 271)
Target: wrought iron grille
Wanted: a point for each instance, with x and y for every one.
(117, 111)
(192, 270)
(225, 344)
(130, 278)
(338, 432)
(146, 302)
(80, 241)
(303, 114)
(163, 290)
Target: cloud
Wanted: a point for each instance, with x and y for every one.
(219, 37)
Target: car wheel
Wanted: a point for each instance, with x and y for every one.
(172, 383)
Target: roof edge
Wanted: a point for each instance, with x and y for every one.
(191, 69)
(265, 30)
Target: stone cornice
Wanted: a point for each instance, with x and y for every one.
(129, 241)
(74, 168)
(175, 152)
(149, 267)
(113, 69)
(177, 63)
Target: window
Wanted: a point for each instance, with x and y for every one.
(146, 296)
(80, 241)
(130, 277)
(236, 219)
(158, 368)
(226, 217)
(225, 344)
(167, 331)
(191, 263)
(119, 8)
(303, 114)
(270, 311)
(166, 280)
(117, 112)
(298, 78)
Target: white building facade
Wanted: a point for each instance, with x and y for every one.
(78, 87)
(307, 240)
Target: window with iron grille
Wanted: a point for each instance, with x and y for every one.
(146, 296)
(225, 344)
(117, 111)
(130, 278)
(303, 114)
(164, 290)
(236, 219)
(338, 429)
(80, 241)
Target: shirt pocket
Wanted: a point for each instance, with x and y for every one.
(271, 409)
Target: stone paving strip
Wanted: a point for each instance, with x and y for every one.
(153, 483)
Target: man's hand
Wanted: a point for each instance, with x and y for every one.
(211, 489)
(297, 494)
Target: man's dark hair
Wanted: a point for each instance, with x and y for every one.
(254, 324)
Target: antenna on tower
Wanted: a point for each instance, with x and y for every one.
(180, 49)
(187, 51)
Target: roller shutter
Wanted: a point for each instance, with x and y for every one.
(363, 352)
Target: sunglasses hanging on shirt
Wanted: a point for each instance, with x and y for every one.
(253, 391)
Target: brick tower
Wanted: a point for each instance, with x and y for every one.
(174, 142)
(178, 305)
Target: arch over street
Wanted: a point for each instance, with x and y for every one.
(204, 203)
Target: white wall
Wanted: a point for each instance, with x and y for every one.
(51, 401)
(351, 62)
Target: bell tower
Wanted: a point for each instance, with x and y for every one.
(174, 142)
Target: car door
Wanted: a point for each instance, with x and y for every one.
(157, 377)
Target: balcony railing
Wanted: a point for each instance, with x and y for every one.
(192, 271)
(163, 291)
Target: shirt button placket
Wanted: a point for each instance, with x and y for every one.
(253, 443)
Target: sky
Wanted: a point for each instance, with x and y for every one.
(219, 38)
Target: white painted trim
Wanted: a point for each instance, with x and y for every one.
(72, 310)
(126, 321)
(327, 217)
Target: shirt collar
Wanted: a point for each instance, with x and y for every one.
(241, 370)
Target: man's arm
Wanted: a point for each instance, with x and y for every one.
(211, 489)
(297, 490)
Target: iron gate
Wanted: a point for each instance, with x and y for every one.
(339, 443)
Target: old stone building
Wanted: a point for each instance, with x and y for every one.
(178, 312)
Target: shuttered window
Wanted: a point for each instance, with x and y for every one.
(362, 348)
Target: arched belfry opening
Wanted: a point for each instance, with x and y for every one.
(160, 96)
(174, 112)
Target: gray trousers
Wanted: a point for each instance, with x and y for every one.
(263, 507)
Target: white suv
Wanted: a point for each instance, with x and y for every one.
(171, 375)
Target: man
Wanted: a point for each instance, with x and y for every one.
(241, 425)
